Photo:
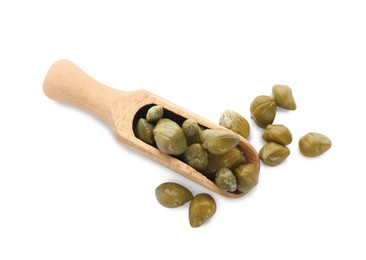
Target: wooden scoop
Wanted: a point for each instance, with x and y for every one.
(120, 110)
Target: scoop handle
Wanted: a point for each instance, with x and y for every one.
(65, 82)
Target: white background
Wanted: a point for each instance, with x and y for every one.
(69, 190)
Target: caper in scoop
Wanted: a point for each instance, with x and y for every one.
(314, 144)
(225, 179)
(219, 142)
(235, 122)
(154, 114)
(169, 137)
(192, 131)
(144, 131)
(246, 177)
(230, 160)
(196, 156)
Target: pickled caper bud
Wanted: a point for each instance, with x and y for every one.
(235, 122)
(219, 141)
(144, 131)
(190, 127)
(246, 177)
(263, 110)
(196, 156)
(272, 154)
(283, 97)
(172, 195)
(192, 131)
(277, 133)
(154, 114)
(314, 144)
(201, 208)
(169, 137)
(230, 160)
(225, 179)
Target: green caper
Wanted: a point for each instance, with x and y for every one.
(283, 97)
(195, 139)
(263, 110)
(192, 131)
(219, 141)
(235, 122)
(314, 144)
(272, 154)
(246, 176)
(230, 160)
(201, 208)
(190, 127)
(154, 114)
(277, 133)
(169, 137)
(172, 195)
(225, 179)
(196, 156)
(144, 131)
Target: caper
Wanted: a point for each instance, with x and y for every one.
(263, 110)
(277, 133)
(235, 122)
(154, 114)
(195, 139)
(219, 141)
(192, 131)
(283, 97)
(314, 144)
(144, 131)
(230, 160)
(272, 154)
(201, 208)
(225, 179)
(196, 156)
(246, 176)
(172, 195)
(190, 127)
(169, 137)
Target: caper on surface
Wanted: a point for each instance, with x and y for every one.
(169, 137)
(219, 141)
(172, 195)
(314, 144)
(201, 208)
(277, 133)
(196, 156)
(225, 179)
(230, 160)
(154, 114)
(246, 177)
(272, 154)
(283, 97)
(144, 131)
(263, 110)
(235, 122)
